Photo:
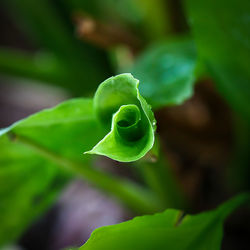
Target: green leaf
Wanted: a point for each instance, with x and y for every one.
(167, 230)
(119, 104)
(221, 30)
(44, 22)
(40, 67)
(167, 72)
(64, 129)
(47, 24)
(28, 185)
(28, 180)
(40, 153)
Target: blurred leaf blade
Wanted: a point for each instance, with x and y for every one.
(167, 72)
(32, 179)
(26, 188)
(164, 230)
(42, 67)
(43, 22)
(46, 26)
(221, 31)
(155, 18)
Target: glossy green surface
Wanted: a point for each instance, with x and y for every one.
(29, 181)
(167, 72)
(119, 105)
(167, 230)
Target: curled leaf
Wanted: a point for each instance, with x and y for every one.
(119, 106)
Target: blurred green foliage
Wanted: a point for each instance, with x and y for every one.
(167, 72)
(29, 184)
(26, 176)
(41, 153)
(222, 36)
(78, 67)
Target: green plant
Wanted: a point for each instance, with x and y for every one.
(167, 230)
(117, 104)
(42, 152)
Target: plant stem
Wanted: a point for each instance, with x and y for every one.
(40, 66)
(137, 198)
(47, 25)
(158, 176)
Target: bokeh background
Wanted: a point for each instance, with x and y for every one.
(54, 50)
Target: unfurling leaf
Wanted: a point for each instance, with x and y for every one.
(119, 106)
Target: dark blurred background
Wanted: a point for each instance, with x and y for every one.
(197, 136)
